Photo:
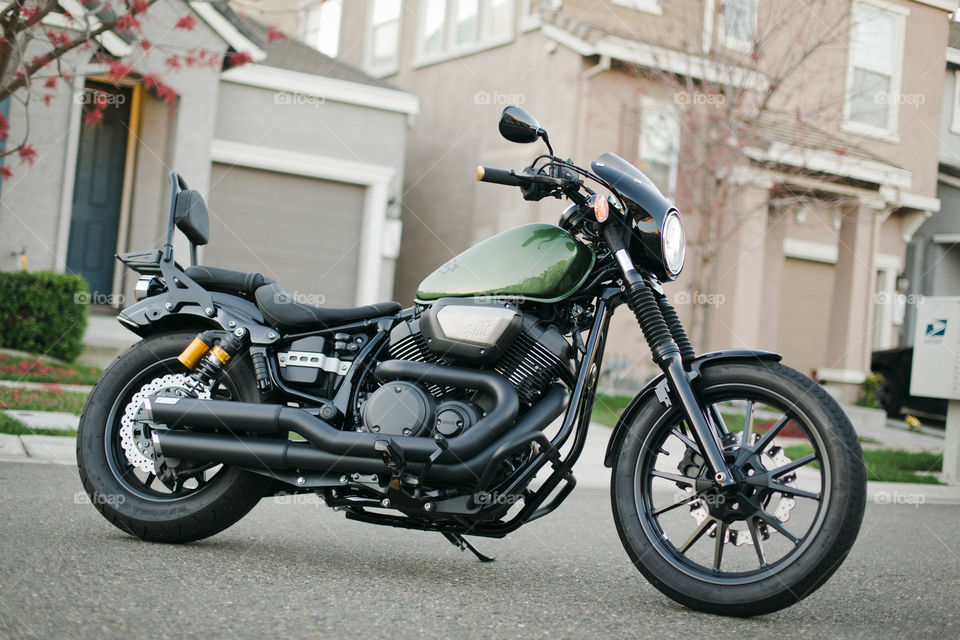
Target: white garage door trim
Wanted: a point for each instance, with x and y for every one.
(375, 178)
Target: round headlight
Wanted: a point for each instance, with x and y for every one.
(674, 243)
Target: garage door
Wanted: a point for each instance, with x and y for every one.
(304, 232)
(805, 301)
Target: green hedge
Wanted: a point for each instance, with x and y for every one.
(43, 312)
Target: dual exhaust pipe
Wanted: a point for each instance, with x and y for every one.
(329, 449)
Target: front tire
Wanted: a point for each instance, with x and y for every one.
(736, 552)
(133, 499)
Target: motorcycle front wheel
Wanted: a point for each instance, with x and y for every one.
(784, 527)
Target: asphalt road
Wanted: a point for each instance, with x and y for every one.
(299, 570)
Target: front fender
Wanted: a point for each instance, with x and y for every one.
(656, 389)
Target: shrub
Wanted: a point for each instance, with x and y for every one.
(869, 390)
(43, 312)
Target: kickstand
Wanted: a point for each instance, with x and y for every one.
(461, 543)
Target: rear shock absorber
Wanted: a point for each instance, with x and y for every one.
(206, 360)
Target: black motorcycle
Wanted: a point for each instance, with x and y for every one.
(738, 484)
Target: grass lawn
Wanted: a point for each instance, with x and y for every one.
(33, 370)
(15, 427)
(888, 465)
(607, 408)
(51, 398)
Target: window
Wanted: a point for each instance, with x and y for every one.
(457, 27)
(434, 19)
(873, 75)
(383, 37)
(321, 26)
(659, 146)
(739, 25)
(530, 12)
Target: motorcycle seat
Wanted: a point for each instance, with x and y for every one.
(227, 280)
(282, 311)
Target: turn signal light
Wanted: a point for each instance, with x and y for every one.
(601, 208)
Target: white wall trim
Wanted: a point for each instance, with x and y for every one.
(953, 55)
(946, 5)
(284, 80)
(946, 238)
(74, 125)
(908, 200)
(646, 6)
(830, 162)
(843, 376)
(827, 253)
(654, 57)
(375, 178)
(227, 31)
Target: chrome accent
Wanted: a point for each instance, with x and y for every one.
(313, 360)
(141, 290)
(155, 439)
(475, 324)
(138, 449)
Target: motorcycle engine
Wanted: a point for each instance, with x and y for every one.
(528, 352)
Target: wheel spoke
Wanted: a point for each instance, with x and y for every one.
(771, 434)
(757, 541)
(686, 440)
(776, 524)
(747, 426)
(696, 535)
(718, 418)
(687, 500)
(672, 476)
(790, 466)
(149, 481)
(793, 491)
(718, 545)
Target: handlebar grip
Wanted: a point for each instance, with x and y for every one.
(497, 176)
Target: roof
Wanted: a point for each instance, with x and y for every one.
(292, 54)
(772, 129)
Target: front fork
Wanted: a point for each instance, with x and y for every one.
(671, 349)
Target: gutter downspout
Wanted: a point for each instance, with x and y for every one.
(604, 64)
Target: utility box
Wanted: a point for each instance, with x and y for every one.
(936, 369)
(936, 349)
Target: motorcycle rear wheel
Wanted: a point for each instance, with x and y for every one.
(135, 500)
(695, 545)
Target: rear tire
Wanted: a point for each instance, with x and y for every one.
(112, 487)
(667, 562)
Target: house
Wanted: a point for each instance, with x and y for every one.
(933, 255)
(826, 171)
(300, 158)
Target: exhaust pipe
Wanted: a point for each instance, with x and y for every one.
(281, 455)
(240, 417)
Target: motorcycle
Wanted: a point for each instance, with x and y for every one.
(737, 483)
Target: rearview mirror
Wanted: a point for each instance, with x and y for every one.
(516, 125)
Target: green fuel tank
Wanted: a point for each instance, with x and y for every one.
(539, 262)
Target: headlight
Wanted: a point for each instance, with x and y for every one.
(674, 243)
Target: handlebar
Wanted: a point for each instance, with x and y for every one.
(498, 176)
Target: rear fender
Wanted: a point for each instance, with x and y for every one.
(656, 390)
(158, 313)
